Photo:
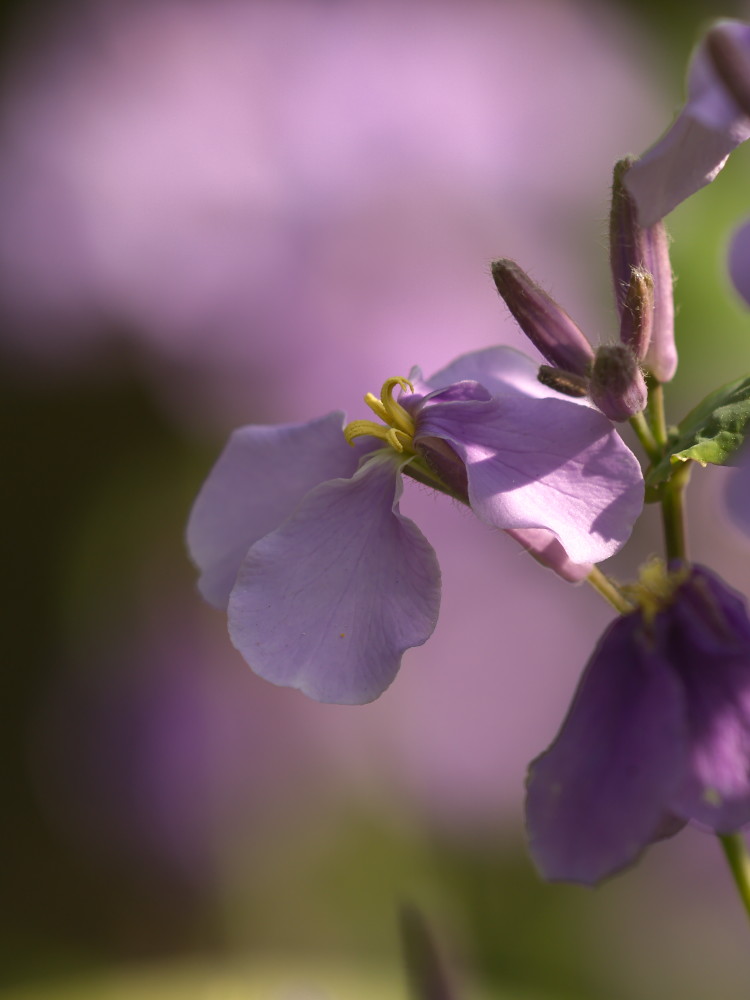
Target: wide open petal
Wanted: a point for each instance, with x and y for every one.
(544, 463)
(695, 148)
(597, 797)
(257, 482)
(709, 643)
(329, 601)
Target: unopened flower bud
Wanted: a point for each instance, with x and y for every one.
(635, 248)
(637, 317)
(441, 459)
(544, 322)
(568, 383)
(617, 384)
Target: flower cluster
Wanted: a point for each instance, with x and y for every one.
(658, 733)
(298, 533)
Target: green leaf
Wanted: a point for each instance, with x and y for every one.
(710, 433)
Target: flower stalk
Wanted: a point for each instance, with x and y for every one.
(673, 513)
(611, 593)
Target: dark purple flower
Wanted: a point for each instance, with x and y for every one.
(713, 122)
(300, 535)
(658, 733)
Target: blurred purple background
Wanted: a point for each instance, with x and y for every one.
(254, 211)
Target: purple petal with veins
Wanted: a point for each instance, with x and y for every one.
(329, 602)
(256, 483)
(543, 463)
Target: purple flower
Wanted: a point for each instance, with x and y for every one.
(739, 260)
(326, 583)
(737, 490)
(658, 733)
(713, 122)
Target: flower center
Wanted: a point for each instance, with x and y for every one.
(399, 425)
(655, 588)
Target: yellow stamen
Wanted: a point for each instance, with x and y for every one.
(397, 416)
(399, 429)
(655, 588)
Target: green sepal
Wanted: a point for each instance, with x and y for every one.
(709, 434)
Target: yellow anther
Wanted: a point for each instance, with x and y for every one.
(399, 440)
(361, 428)
(377, 407)
(396, 415)
(399, 426)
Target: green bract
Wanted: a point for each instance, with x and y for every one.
(710, 433)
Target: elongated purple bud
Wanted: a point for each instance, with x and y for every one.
(727, 47)
(617, 385)
(637, 317)
(568, 383)
(633, 248)
(544, 322)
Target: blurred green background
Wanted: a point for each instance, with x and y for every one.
(241, 211)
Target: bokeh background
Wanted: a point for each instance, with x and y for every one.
(216, 212)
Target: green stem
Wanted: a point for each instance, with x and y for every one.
(609, 591)
(673, 512)
(647, 439)
(658, 419)
(735, 851)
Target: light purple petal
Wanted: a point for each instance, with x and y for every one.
(329, 602)
(501, 370)
(597, 797)
(694, 149)
(544, 463)
(710, 649)
(545, 548)
(257, 482)
(739, 261)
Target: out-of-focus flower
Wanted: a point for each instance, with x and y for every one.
(327, 584)
(275, 197)
(737, 491)
(658, 733)
(149, 756)
(739, 261)
(713, 122)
